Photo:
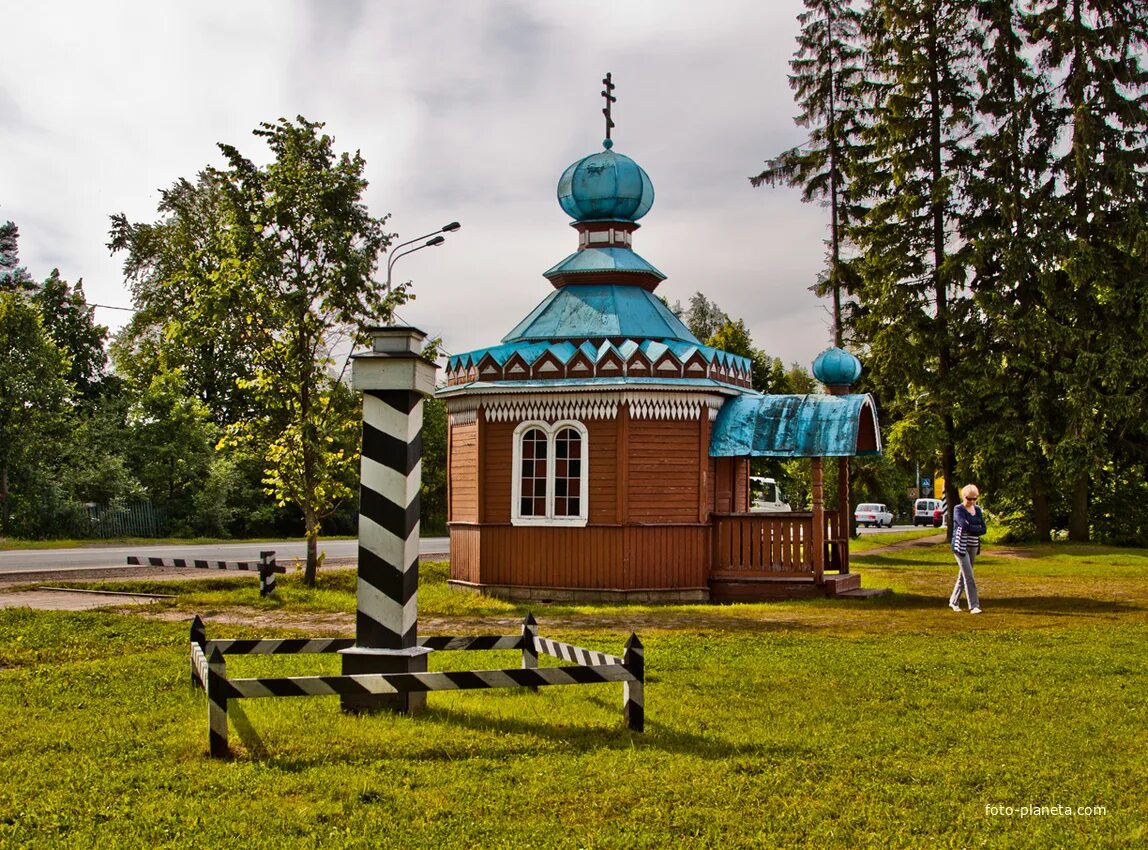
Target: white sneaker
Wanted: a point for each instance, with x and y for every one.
(954, 606)
(975, 610)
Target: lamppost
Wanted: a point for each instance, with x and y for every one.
(433, 238)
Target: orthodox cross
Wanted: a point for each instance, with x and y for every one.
(608, 93)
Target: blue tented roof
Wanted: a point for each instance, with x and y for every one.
(796, 426)
(609, 259)
(596, 311)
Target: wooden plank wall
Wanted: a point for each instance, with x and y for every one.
(664, 479)
(598, 557)
(667, 556)
(464, 553)
(463, 473)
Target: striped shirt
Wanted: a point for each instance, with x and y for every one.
(967, 529)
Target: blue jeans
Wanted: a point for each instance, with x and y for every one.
(965, 581)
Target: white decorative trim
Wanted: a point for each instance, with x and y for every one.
(551, 431)
(549, 407)
(463, 417)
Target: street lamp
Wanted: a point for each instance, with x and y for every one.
(430, 242)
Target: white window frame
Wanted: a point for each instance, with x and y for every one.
(551, 431)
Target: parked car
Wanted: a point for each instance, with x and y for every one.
(928, 512)
(871, 514)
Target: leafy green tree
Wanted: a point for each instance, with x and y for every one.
(71, 323)
(13, 276)
(190, 315)
(703, 317)
(434, 467)
(287, 268)
(33, 390)
(171, 445)
(769, 375)
(827, 70)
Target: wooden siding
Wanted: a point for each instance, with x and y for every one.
(598, 557)
(497, 458)
(664, 479)
(603, 440)
(463, 473)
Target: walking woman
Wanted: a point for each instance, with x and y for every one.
(968, 526)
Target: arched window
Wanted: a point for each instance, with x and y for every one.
(550, 474)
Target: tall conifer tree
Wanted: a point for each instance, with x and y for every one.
(1006, 231)
(922, 90)
(826, 68)
(1097, 289)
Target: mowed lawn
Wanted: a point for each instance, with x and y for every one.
(882, 723)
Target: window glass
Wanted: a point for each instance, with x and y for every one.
(567, 473)
(533, 474)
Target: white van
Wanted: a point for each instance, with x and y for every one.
(766, 496)
(928, 512)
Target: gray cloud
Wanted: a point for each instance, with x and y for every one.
(465, 111)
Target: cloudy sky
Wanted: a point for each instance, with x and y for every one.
(465, 110)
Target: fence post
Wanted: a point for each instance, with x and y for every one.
(217, 704)
(634, 692)
(394, 379)
(529, 648)
(266, 574)
(199, 638)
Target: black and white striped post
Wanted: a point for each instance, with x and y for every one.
(218, 689)
(394, 379)
(529, 647)
(634, 689)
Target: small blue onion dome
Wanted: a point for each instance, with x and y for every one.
(836, 367)
(605, 185)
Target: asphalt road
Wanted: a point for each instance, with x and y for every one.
(893, 530)
(115, 557)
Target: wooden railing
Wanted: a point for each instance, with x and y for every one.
(774, 544)
(777, 544)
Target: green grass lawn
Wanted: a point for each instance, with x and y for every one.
(882, 723)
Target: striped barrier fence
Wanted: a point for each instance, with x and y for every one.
(265, 566)
(584, 667)
(385, 666)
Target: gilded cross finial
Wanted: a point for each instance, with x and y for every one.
(608, 93)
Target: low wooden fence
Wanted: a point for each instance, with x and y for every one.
(265, 566)
(209, 671)
(774, 544)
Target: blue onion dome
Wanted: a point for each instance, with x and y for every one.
(605, 185)
(836, 367)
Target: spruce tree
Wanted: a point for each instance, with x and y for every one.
(1006, 228)
(826, 68)
(922, 93)
(1096, 287)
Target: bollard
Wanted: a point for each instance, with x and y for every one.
(394, 379)
(266, 573)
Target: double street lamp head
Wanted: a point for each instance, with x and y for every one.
(435, 238)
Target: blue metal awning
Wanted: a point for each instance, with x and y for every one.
(796, 426)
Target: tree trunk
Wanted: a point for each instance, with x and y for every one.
(312, 569)
(1041, 510)
(1078, 526)
(4, 510)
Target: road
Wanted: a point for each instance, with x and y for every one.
(113, 557)
(895, 529)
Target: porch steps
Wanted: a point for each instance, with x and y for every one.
(759, 588)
